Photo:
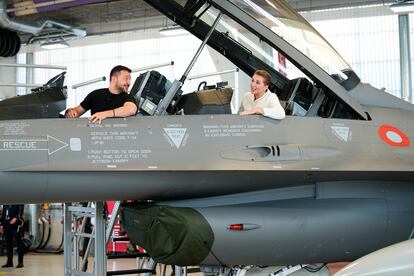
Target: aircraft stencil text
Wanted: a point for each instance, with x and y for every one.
(19, 145)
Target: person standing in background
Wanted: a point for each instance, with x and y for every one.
(12, 227)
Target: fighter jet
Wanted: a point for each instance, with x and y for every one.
(333, 181)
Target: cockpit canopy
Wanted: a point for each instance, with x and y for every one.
(269, 35)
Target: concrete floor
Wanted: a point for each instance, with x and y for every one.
(37, 264)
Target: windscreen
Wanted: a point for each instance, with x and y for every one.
(284, 21)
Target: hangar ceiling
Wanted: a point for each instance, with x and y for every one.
(106, 16)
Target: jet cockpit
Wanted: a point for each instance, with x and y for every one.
(308, 75)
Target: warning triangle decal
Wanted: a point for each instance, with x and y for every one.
(176, 135)
(341, 132)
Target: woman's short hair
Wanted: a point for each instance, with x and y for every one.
(265, 75)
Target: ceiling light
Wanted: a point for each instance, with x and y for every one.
(172, 30)
(402, 7)
(53, 45)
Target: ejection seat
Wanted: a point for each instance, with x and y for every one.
(297, 96)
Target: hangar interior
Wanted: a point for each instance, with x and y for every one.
(365, 33)
(376, 42)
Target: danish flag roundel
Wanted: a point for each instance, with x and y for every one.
(393, 136)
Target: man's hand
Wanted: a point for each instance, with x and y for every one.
(99, 116)
(1, 230)
(13, 221)
(71, 113)
(74, 112)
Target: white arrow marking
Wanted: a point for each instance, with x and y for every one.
(51, 144)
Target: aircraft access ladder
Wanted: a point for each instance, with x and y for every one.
(73, 264)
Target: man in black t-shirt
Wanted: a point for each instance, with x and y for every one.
(110, 102)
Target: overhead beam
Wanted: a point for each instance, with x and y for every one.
(309, 5)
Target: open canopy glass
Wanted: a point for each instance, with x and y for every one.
(284, 21)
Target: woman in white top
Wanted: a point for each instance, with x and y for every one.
(260, 100)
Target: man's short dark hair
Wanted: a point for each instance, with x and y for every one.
(117, 69)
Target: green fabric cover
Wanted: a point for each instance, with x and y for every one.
(171, 235)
